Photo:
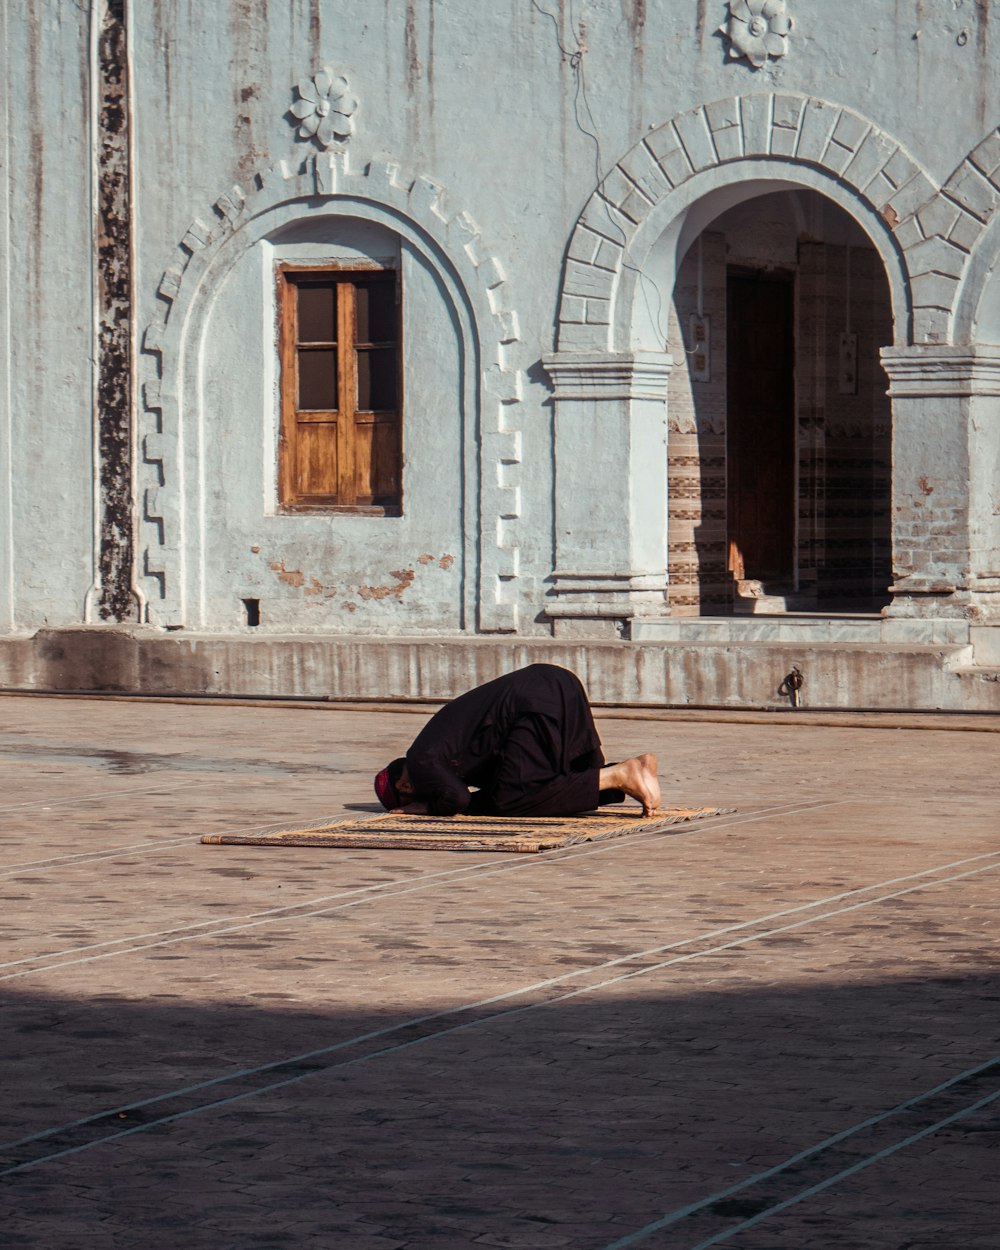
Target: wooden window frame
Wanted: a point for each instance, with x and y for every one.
(348, 278)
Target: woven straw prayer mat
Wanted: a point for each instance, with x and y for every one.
(524, 834)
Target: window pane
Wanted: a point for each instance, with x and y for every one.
(385, 461)
(317, 379)
(317, 314)
(376, 379)
(376, 313)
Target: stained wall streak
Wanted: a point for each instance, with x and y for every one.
(114, 312)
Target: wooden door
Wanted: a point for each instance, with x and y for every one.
(760, 440)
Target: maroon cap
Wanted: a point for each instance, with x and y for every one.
(386, 791)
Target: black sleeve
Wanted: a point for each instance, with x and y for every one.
(480, 805)
(437, 786)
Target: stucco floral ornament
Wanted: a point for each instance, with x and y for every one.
(325, 107)
(757, 29)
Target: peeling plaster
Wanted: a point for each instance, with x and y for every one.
(404, 579)
(291, 577)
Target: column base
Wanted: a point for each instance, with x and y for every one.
(596, 605)
(915, 600)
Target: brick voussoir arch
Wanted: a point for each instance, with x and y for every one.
(457, 239)
(932, 229)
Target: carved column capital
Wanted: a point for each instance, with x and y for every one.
(931, 371)
(608, 375)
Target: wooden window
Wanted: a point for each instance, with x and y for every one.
(340, 444)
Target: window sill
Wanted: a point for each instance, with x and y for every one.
(340, 509)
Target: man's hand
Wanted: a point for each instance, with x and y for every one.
(411, 809)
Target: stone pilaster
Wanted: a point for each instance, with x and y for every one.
(946, 493)
(610, 490)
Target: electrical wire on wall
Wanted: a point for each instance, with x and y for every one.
(576, 59)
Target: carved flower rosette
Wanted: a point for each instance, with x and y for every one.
(757, 30)
(325, 108)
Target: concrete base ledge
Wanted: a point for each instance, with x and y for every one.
(801, 628)
(648, 674)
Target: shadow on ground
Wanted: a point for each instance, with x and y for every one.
(162, 1123)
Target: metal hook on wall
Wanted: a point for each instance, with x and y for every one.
(791, 684)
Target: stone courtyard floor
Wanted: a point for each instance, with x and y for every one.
(774, 1030)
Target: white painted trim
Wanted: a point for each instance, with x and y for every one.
(135, 506)
(271, 395)
(93, 181)
(970, 301)
(7, 604)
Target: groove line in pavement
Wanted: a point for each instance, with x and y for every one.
(113, 852)
(120, 852)
(106, 795)
(990, 1067)
(313, 1063)
(877, 1157)
(195, 929)
(90, 857)
(188, 935)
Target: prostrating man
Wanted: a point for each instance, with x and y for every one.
(524, 744)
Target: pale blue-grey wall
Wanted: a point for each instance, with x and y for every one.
(492, 100)
(46, 329)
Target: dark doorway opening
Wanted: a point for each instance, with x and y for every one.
(760, 425)
(780, 446)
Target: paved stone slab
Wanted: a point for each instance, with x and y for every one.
(388, 1050)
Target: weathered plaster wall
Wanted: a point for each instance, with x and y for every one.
(47, 521)
(516, 110)
(479, 96)
(485, 100)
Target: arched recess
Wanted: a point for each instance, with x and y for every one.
(170, 492)
(651, 265)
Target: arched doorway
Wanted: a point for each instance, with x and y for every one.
(779, 443)
(614, 356)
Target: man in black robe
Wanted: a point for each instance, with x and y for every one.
(524, 744)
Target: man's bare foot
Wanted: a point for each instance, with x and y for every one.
(637, 777)
(648, 763)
